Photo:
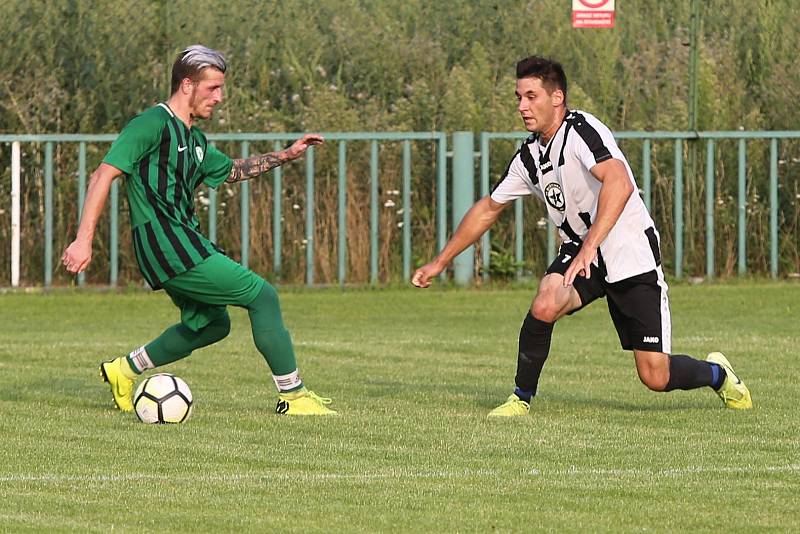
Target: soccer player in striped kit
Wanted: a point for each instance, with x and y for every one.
(610, 247)
(164, 157)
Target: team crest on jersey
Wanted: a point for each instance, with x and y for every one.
(199, 151)
(555, 196)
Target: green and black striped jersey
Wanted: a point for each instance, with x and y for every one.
(164, 163)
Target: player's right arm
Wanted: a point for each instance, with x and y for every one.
(138, 137)
(78, 254)
(478, 219)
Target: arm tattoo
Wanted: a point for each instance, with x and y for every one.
(244, 169)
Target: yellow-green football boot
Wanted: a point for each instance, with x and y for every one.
(121, 385)
(512, 407)
(733, 392)
(303, 402)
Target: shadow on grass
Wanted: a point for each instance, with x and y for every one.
(556, 401)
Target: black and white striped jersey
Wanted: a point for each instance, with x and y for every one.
(560, 175)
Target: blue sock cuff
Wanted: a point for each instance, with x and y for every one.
(717, 375)
(524, 395)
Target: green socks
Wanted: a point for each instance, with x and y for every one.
(269, 334)
(273, 340)
(176, 342)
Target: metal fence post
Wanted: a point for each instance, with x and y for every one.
(81, 194)
(441, 196)
(678, 212)
(710, 209)
(342, 212)
(406, 210)
(773, 208)
(310, 207)
(486, 243)
(277, 192)
(48, 213)
(244, 219)
(742, 261)
(463, 198)
(646, 179)
(373, 212)
(16, 172)
(114, 234)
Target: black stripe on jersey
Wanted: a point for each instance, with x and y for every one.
(180, 167)
(653, 240)
(157, 252)
(163, 181)
(149, 273)
(190, 173)
(591, 138)
(570, 232)
(186, 260)
(586, 218)
(184, 188)
(530, 165)
(195, 241)
(564, 144)
(505, 172)
(163, 162)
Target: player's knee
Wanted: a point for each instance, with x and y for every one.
(654, 379)
(266, 301)
(220, 327)
(545, 309)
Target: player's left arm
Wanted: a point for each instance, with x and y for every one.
(615, 191)
(247, 168)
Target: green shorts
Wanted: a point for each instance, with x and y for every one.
(203, 292)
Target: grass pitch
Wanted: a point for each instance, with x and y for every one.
(413, 374)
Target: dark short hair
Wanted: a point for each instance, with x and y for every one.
(550, 72)
(192, 61)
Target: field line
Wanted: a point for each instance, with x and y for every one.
(399, 475)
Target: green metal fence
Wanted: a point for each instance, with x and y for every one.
(644, 179)
(244, 139)
(456, 203)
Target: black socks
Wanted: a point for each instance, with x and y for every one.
(687, 373)
(534, 346)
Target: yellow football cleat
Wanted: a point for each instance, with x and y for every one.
(733, 392)
(513, 407)
(121, 385)
(303, 402)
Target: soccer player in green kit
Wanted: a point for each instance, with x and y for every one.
(164, 157)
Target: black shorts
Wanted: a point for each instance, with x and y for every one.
(638, 305)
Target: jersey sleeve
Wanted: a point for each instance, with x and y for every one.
(216, 166)
(139, 137)
(596, 143)
(516, 181)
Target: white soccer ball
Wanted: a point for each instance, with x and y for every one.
(163, 398)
